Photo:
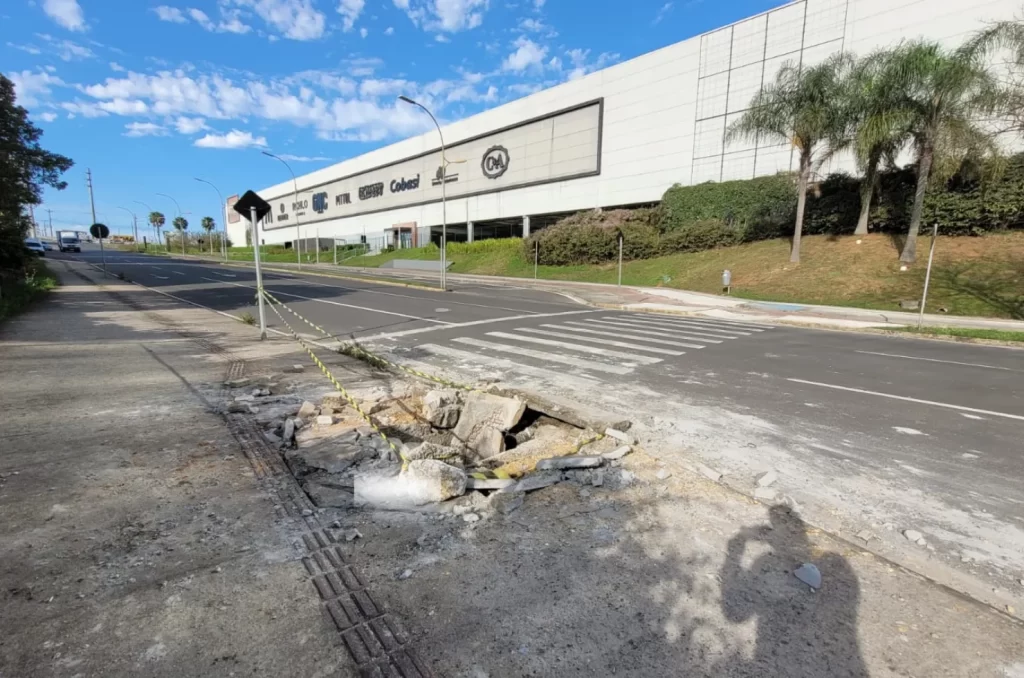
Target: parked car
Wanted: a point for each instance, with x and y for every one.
(69, 243)
(35, 247)
(47, 246)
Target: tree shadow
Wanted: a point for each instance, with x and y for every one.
(999, 289)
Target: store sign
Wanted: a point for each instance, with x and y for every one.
(559, 146)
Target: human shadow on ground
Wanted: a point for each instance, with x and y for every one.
(1000, 289)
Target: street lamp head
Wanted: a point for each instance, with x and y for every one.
(268, 154)
(402, 97)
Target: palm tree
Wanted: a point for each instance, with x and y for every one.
(157, 221)
(941, 96)
(181, 225)
(1006, 38)
(208, 224)
(803, 106)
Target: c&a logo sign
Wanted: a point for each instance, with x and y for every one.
(320, 202)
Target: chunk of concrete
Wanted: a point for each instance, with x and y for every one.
(766, 479)
(333, 400)
(536, 481)
(328, 456)
(809, 574)
(431, 480)
(236, 407)
(912, 535)
(307, 411)
(617, 453)
(622, 436)
(238, 383)
(288, 431)
(709, 473)
(324, 420)
(428, 450)
(569, 462)
(442, 408)
(484, 419)
(488, 483)
(765, 494)
(506, 502)
(328, 495)
(295, 369)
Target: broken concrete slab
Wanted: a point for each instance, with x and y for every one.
(913, 535)
(333, 400)
(328, 495)
(597, 477)
(238, 383)
(569, 462)
(765, 494)
(288, 431)
(307, 411)
(295, 369)
(235, 407)
(766, 479)
(488, 483)
(485, 418)
(506, 502)
(329, 456)
(442, 408)
(430, 480)
(709, 473)
(324, 420)
(580, 415)
(622, 436)
(617, 453)
(428, 450)
(537, 481)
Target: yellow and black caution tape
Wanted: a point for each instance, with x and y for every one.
(356, 350)
(341, 389)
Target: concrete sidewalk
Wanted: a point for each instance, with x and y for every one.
(668, 300)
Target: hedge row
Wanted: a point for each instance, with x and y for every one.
(694, 218)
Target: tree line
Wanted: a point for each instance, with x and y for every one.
(948, 107)
(157, 220)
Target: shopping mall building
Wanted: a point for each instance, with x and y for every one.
(616, 137)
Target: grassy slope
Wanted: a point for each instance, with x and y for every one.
(22, 293)
(971, 276)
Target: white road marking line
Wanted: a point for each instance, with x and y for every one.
(910, 400)
(695, 329)
(972, 416)
(157, 268)
(162, 277)
(177, 273)
(936, 360)
(279, 293)
(413, 296)
(657, 332)
(691, 321)
(753, 327)
(629, 357)
(596, 340)
(500, 363)
(225, 275)
(472, 323)
(908, 431)
(544, 356)
(649, 340)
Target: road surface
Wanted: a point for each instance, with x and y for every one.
(926, 434)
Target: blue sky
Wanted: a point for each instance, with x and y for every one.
(149, 95)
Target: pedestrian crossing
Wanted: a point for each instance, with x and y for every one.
(595, 347)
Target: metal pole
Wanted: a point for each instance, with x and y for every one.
(536, 257)
(295, 206)
(259, 274)
(224, 216)
(620, 259)
(92, 206)
(928, 274)
(444, 206)
(317, 233)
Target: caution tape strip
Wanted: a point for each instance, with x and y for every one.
(341, 389)
(357, 350)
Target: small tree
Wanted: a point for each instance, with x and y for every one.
(181, 225)
(804, 106)
(157, 221)
(208, 225)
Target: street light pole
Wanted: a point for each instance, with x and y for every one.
(151, 210)
(295, 205)
(178, 207)
(444, 182)
(135, 226)
(223, 215)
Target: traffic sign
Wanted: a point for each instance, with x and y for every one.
(99, 231)
(248, 201)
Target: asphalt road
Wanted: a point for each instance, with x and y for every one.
(942, 416)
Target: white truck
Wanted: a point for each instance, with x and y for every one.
(68, 241)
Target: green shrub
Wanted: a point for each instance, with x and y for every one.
(761, 205)
(698, 236)
(477, 246)
(593, 237)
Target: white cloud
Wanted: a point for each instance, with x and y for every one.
(232, 23)
(385, 88)
(665, 9)
(350, 11)
(48, 116)
(295, 19)
(201, 18)
(67, 13)
(450, 16)
(537, 4)
(303, 158)
(363, 32)
(527, 54)
(186, 125)
(30, 49)
(144, 129)
(390, 30)
(69, 51)
(522, 88)
(171, 14)
(29, 86)
(117, 68)
(441, 37)
(233, 139)
(532, 25)
(578, 57)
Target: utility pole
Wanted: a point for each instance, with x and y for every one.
(32, 218)
(259, 274)
(92, 206)
(49, 215)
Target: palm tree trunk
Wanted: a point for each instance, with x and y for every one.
(924, 169)
(801, 203)
(867, 192)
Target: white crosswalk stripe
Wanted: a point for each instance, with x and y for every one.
(545, 356)
(605, 342)
(502, 364)
(693, 329)
(603, 332)
(700, 320)
(660, 331)
(631, 358)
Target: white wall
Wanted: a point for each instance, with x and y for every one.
(665, 112)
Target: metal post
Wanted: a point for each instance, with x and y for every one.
(444, 194)
(536, 257)
(92, 206)
(928, 274)
(259, 274)
(620, 259)
(335, 241)
(224, 216)
(295, 206)
(317, 233)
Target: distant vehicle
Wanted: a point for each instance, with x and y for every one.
(35, 247)
(69, 243)
(47, 246)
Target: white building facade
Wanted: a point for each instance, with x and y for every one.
(616, 137)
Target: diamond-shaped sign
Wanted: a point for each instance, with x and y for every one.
(248, 201)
